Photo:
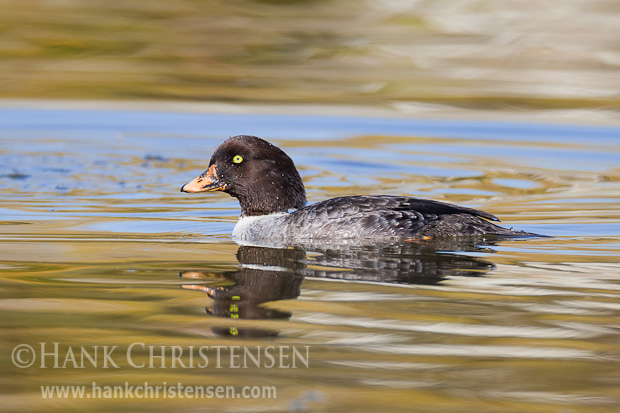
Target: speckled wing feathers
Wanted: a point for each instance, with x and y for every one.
(371, 217)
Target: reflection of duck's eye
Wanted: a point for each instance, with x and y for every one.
(238, 159)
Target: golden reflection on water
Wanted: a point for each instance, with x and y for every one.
(555, 55)
(500, 335)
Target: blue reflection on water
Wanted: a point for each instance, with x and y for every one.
(296, 126)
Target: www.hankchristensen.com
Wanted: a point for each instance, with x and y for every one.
(159, 391)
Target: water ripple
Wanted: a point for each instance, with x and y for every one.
(569, 330)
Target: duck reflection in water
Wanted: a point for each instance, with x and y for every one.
(272, 274)
(264, 275)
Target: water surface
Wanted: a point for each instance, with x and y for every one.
(410, 54)
(99, 247)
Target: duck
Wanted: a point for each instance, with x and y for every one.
(272, 197)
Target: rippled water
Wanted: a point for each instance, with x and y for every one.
(99, 247)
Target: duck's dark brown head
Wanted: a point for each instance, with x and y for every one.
(260, 175)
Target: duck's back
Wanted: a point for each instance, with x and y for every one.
(388, 217)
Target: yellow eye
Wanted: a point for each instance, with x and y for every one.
(238, 159)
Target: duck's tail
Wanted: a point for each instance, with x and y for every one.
(458, 225)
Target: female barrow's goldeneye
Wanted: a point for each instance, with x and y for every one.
(266, 183)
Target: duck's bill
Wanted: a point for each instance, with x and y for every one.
(208, 181)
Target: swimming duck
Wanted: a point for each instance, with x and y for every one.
(267, 184)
